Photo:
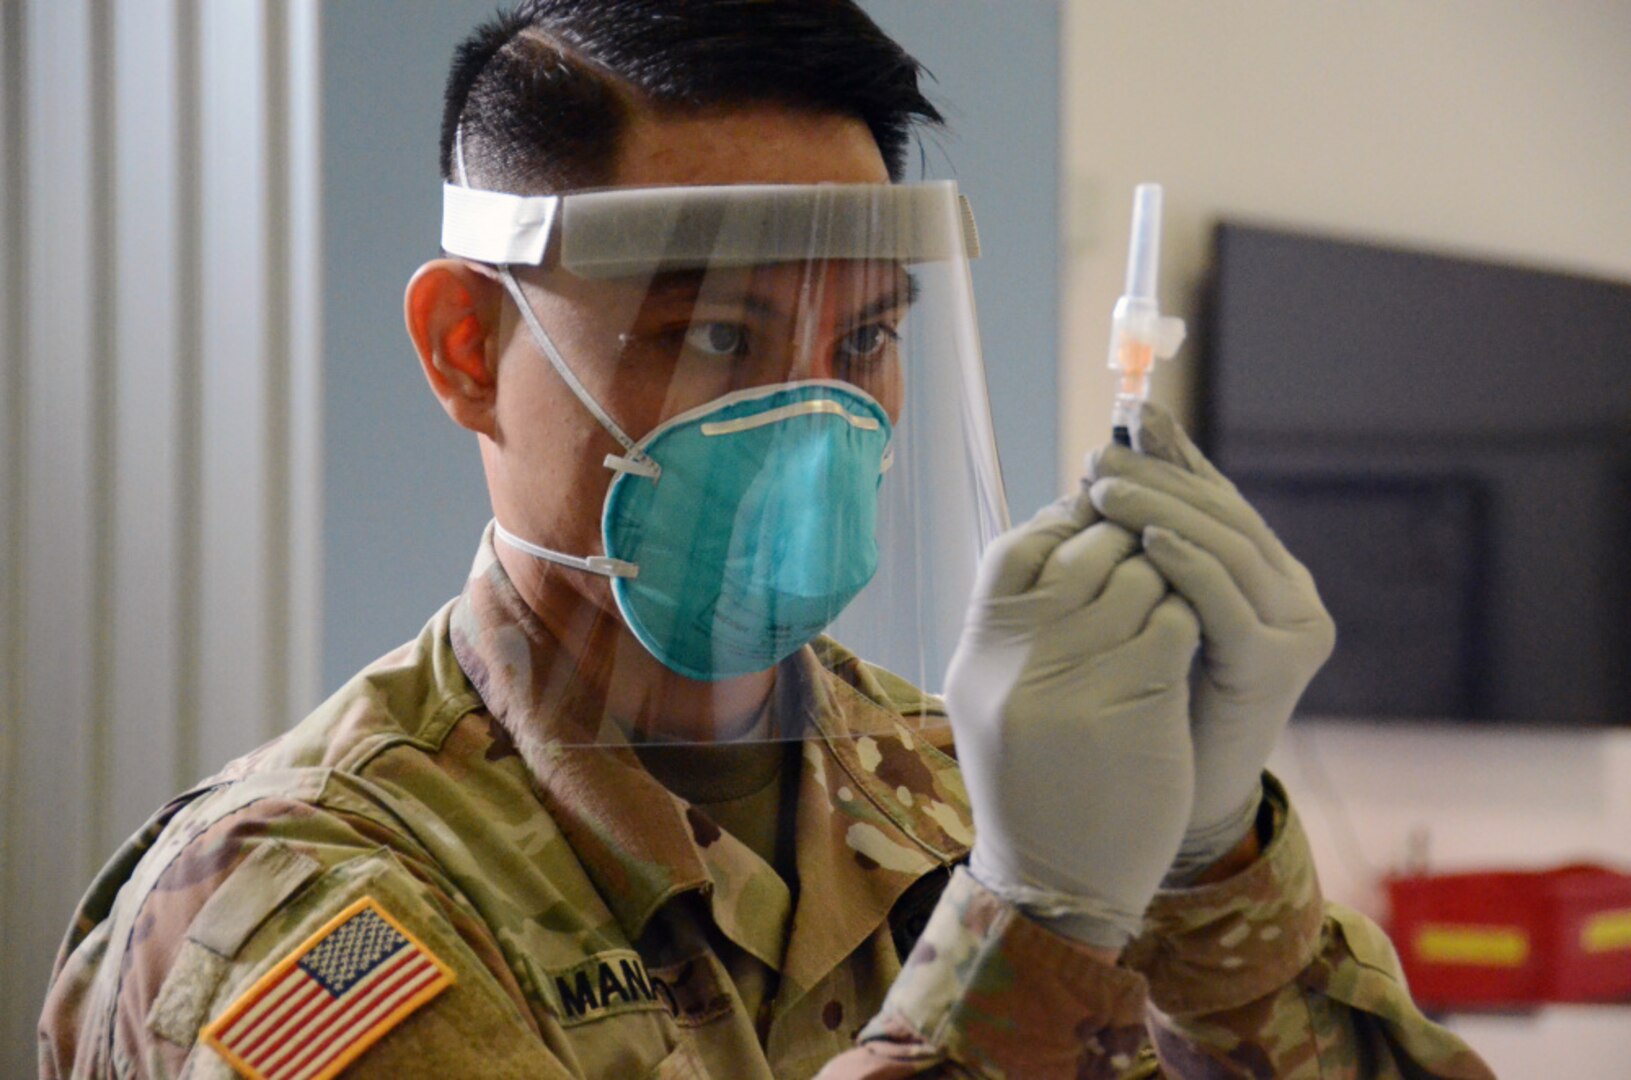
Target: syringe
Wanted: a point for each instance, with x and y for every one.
(1139, 333)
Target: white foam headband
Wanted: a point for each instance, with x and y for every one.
(631, 230)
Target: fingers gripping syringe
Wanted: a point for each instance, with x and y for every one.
(1139, 333)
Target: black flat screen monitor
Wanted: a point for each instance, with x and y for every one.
(1446, 443)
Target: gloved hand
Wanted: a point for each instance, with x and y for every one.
(1068, 697)
(1264, 632)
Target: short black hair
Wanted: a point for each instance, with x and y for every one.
(538, 95)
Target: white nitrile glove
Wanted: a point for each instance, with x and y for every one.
(1068, 697)
(1264, 632)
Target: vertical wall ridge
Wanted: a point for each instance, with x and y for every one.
(234, 426)
(190, 368)
(275, 43)
(305, 432)
(104, 381)
(14, 388)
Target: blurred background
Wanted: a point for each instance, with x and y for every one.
(223, 487)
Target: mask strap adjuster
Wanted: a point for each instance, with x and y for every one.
(609, 567)
(594, 564)
(641, 466)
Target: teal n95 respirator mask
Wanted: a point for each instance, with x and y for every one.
(745, 526)
(823, 461)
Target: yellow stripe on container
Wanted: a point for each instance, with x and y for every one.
(1606, 932)
(1484, 946)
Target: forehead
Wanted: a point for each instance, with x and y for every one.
(760, 144)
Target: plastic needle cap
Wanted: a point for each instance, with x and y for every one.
(1144, 248)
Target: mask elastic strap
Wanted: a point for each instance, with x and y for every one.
(594, 564)
(636, 460)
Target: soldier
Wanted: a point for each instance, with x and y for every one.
(621, 810)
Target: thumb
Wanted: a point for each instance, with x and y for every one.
(1157, 433)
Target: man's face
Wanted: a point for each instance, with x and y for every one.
(654, 346)
(650, 349)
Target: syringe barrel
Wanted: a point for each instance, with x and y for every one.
(1144, 249)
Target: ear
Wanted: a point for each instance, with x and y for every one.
(452, 313)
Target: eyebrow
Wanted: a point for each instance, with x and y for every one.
(679, 284)
(902, 296)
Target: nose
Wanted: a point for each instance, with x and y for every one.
(813, 358)
(816, 332)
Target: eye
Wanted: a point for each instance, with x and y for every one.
(868, 342)
(717, 338)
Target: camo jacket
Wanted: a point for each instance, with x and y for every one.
(572, 918)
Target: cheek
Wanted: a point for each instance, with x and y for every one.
(534, 407)
(889, 390)
(648, 389)
(550, 444)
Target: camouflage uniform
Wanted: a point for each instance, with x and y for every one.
(591, 921)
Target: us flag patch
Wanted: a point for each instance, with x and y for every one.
(330, 999)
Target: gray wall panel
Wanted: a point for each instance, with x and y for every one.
(12, 309)
(404, 500)
(996, 78)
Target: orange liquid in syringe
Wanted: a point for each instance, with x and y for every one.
(1135, 359)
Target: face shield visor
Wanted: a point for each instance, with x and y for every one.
(792, 378)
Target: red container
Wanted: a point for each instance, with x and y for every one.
(1511, 938)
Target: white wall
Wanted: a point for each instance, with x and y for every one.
(158, 455)
(1495, 129)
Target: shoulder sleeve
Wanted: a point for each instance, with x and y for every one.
(288, 938)
(989, 993)
(1257, 973)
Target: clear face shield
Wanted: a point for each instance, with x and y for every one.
(792, 377)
